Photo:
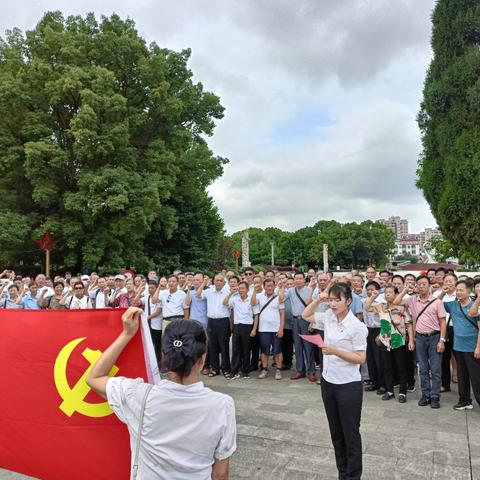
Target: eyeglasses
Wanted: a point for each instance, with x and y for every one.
(169, 298)
(248, 274)
(79, 288)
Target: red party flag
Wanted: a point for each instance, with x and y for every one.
(52, 426)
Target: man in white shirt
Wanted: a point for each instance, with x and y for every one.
(154, 317)
(172, 302)
(218, 325)
(269, 323)
(239, 301)
(42, 285)
(99, 293)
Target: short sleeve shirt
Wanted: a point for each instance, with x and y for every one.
(429, 320)
(243, 310)
(173, 304)
(350, 335)
(270, 317)
(464, 327)
(186, 427)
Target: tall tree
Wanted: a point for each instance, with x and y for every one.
(102, 144)
(449, 120)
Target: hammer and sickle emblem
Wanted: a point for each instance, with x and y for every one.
(73, 398)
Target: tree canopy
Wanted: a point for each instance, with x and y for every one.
(350, 245)
(449, 121)
(102, 144)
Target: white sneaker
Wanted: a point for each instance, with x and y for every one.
(235, 377)
(278, 374)
(263, 374)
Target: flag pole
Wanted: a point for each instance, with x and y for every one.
(47, 262)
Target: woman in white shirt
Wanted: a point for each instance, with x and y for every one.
(344, 350)
(189, 431)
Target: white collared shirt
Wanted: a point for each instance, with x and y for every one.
(149, 308)
(350, 335)
(173, 304)
(215, 306)
(242, 309)
(48, 291)
(186, 427)
(99, 297)
(270, 317)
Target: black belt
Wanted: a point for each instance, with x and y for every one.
(221, 318)
(174, 317)
(431, 334)
(297, 317)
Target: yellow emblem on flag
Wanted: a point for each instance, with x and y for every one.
(73, 398)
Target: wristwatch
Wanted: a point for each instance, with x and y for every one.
(442, 339)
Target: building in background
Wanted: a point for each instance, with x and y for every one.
(410, 244)
(398, 225)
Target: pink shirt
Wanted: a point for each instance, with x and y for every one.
(429, 321)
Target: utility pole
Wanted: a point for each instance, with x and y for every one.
(273, 253)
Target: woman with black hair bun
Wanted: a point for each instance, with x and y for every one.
(188, 430)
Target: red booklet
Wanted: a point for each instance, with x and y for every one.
(315, 339)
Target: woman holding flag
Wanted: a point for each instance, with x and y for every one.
(179, 429)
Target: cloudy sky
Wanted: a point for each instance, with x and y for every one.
(321, 98)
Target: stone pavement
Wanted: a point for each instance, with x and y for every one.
(283, 434)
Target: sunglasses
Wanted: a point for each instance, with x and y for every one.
(248, 274)
(79, 288)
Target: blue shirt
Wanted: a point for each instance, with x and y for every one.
(29, 302)
(464, 330)
(198, 308)
(356, 306)
(297, 306)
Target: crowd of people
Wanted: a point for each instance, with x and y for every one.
(430, 320)
(373, 330)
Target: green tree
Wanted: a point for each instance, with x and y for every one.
(102, 143)
(350, 245)
(449, 120)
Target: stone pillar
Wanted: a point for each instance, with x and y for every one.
(245, 249)
(325, 257)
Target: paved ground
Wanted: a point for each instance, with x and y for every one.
(283, 434)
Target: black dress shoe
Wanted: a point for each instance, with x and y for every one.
(381, 391)
(402, 398)
(388, 396)
(371, 388)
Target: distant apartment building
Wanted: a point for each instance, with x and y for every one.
(398, 225)
(409, 243)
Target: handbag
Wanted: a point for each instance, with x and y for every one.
(139, 433)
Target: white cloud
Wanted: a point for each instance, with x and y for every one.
(359, 64)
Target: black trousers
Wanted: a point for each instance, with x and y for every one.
(157, 343)
(343, 406)
(447, 356)
(287, 347)
(395, 357)
(219, 343)
(411, 362)
(255, 344)
(374, 359)
(468, 368)
(241, 348)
